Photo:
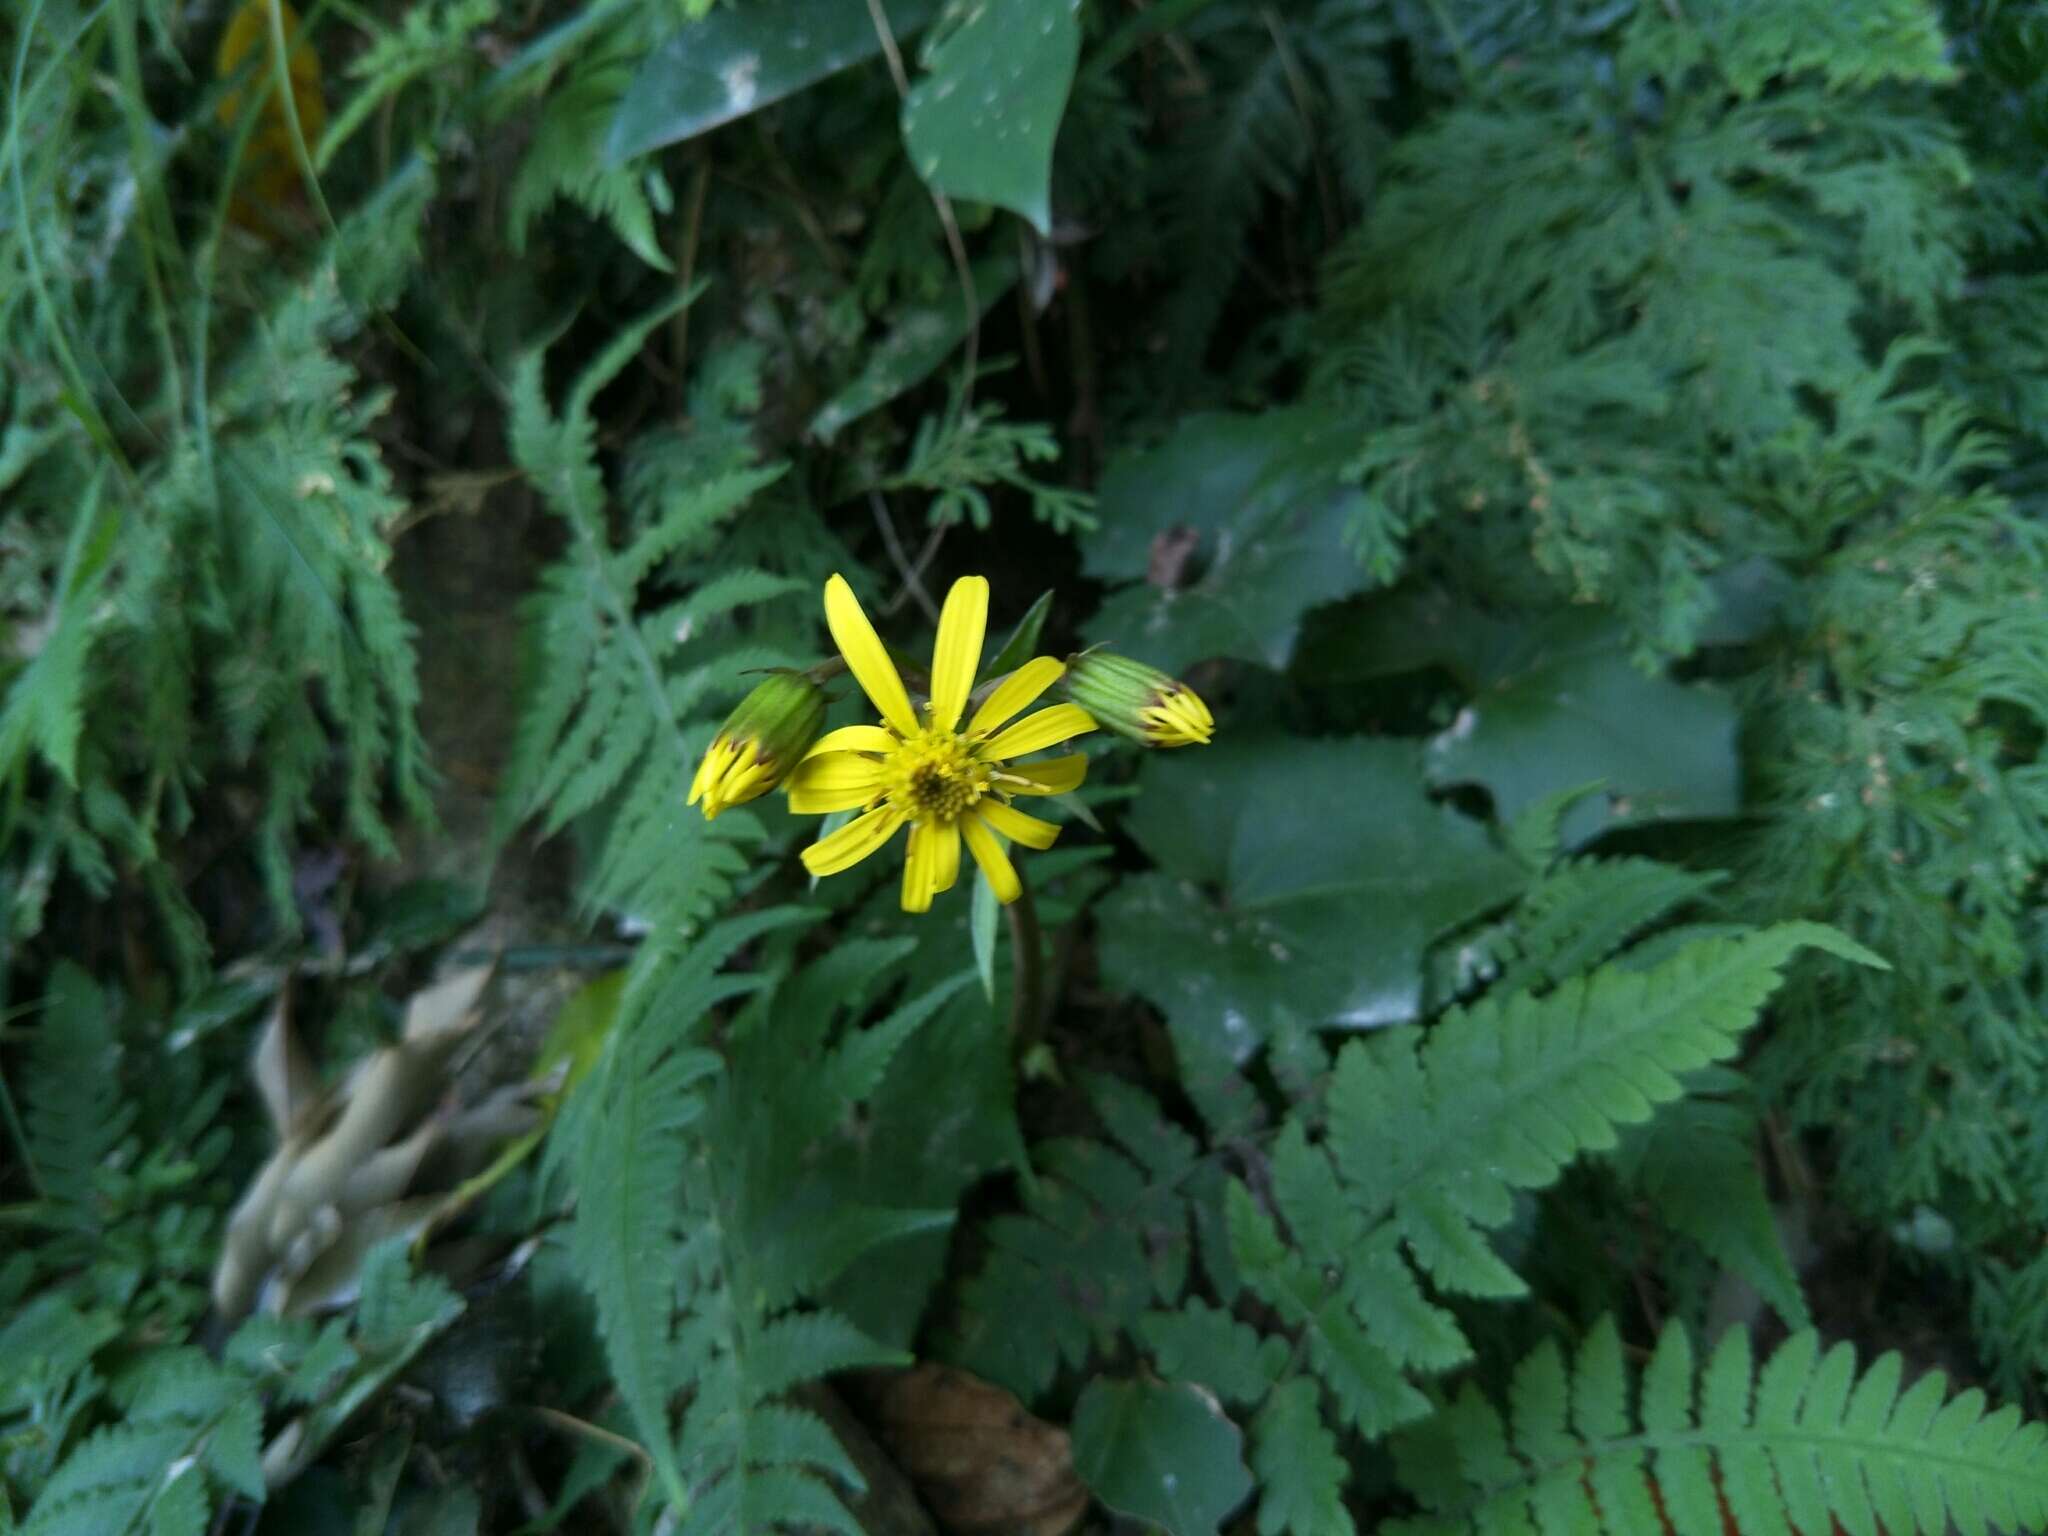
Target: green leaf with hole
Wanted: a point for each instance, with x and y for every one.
(980, 123)
(1229, 531)
(1160, 1453)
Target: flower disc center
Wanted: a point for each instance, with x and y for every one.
(935, 776)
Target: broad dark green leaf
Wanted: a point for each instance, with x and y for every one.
(981, 122)
(1231, 529)
(1160, 1453)
(1337, 871)
(1574, 708)
(1554, 705)
(741, 58)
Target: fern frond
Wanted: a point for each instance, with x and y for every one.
(44, 707)
(1106, 1235)
(1430, 1133)
(1435, 1132)
(1807, 1442)
(567, 158)
(124, 1478)
(1579, 914)
(610, 687)
(74, 1111)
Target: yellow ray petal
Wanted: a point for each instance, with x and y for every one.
(921, 867)
(866, 656)
(1046, 728)
(957, 655)
(1054, 776)
(947, 835)
(1020, 688)
(988, 853)
(1016, 826)
(854, 738)
(853, 842)
(713, 764)
(838, 781)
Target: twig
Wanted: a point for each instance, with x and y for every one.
(913, 579)
(969, 300)
(569, 1424)
(918, 567)
(686, 268)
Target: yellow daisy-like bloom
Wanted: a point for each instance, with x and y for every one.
(948, 782)
(1179, 719)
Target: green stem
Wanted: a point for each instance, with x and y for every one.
(1027, 955)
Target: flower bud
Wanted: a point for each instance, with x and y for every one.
(760, 742)
(1138, 701)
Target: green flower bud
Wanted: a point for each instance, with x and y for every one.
(760, 742)
(1138, 701)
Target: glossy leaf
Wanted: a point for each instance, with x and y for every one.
(741, 58)
(1231, 530)
(1575, 708)
(1160, 1453)
(1554, 705)
(1338, 872)
(981, 122)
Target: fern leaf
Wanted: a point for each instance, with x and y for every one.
(45, 707)
(567, 159)
(1580, 914)
(623, 1238)
(1105, 1237)
(1696, 1164)
(1301, 1475)
(75, 1113)
(804, 1346)
(1436, 1132)
(187, 1410)
(1808, 1443)
(1200, 1344)
(606, 721)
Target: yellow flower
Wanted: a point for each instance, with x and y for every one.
(760, 742)
(947, 782)
(1138, 701)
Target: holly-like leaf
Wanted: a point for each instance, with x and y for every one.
(1553, 705)
(980, 124)
(1231, 529)
(1337, 872)
(1575, 708)
(1160, 1453)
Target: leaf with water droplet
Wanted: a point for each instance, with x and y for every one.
(1160, 1453)
(739, 59)
(987, 61)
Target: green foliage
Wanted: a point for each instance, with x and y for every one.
(1809, 1440)
(1590, 457)
(703, 1231)
(190, 1431)
(1160, 1454)
(613, 690)
(967, 144)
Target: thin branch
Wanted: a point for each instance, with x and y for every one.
(913, 577)
(686, 269)
(970, 301)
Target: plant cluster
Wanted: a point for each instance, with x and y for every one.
(1525, 523)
